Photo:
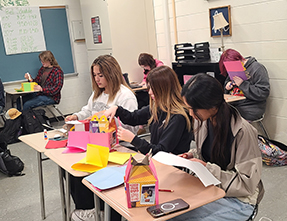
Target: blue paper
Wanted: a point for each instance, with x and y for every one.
(107, 177)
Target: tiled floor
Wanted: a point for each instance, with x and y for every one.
(19, 196)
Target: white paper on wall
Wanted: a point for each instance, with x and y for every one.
(22, 29)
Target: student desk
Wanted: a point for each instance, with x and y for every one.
(139, 89)
(37, 142)
(13, 93)
(65, 161)
(185, 186)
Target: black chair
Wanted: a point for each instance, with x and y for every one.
(254, 214)
(260, 122)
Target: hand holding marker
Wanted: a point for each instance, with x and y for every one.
(29, 77)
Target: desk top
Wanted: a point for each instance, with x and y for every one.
(231, 98)
(37, 141)
(185, 186)
(139, 89)
(66, 160)
(13, 92)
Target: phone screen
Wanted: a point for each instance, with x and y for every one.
(167, 207)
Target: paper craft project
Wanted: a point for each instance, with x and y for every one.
(141, 183)
(235, 68)
(28, 86)
(96, 159)
(78, 140)
(53, 144)
(120, 157)
(107, 177)
(201, 172)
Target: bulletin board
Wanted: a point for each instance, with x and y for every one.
(57, 38)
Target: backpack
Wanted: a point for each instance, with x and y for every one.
(9, 164)
(273, 152)
(33, 120)
(11, 131)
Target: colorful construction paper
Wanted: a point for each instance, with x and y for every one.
(107, 177)
(120, 157)
(96, 158)
(235, 68)
(53, 144)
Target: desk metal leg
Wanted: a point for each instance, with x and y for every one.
(67, 196)
(97, 207)
(40, 171)
(107, 212)
(21, 102)
(61, 179)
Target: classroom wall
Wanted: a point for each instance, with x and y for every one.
(258, 29)
(76, 89)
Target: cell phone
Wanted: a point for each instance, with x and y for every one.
(167, 208)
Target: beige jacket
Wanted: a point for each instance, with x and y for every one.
(242, 179)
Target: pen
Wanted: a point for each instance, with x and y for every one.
(165, 190)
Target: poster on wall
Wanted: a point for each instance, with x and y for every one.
(96, 28)
(22, 30)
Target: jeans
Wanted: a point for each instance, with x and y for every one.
(32, 100)
(227, 208)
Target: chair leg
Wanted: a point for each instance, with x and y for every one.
(264, 129)
(52, 113)
(62, 115)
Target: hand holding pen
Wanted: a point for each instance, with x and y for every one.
(229, 85)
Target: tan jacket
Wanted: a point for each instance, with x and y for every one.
(242, 179)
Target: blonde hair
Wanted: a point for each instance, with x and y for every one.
(167, 93)
(48, 56)
(110, 68)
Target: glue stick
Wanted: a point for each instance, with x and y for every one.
(45, 134)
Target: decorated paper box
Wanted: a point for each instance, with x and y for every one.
(28, 86)
(141, 183)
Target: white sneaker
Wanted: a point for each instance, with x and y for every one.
(84, 215)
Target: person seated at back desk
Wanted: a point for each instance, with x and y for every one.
(147, 62)
(256, 88)
(50, 80)
(2, 97)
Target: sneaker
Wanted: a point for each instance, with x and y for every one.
(84, 215)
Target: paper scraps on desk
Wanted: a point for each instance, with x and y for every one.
(107, 178)
(201, 171)
(96, 159)
(120, 157)
(53, 144)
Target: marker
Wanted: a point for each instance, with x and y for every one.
(29, 77)
(166, 190)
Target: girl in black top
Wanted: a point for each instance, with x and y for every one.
(168, 121)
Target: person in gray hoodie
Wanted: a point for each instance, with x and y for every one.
(256, 88)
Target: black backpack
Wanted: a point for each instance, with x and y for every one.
(33, 120)
(11, 131)
(9, 164)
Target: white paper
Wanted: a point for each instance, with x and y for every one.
(73, 122)
(201, 172)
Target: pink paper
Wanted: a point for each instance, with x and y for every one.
(78, 139)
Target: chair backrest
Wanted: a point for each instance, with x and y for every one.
(126, 77)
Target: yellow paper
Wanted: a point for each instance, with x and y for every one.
(119, 157)
(96, 159)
